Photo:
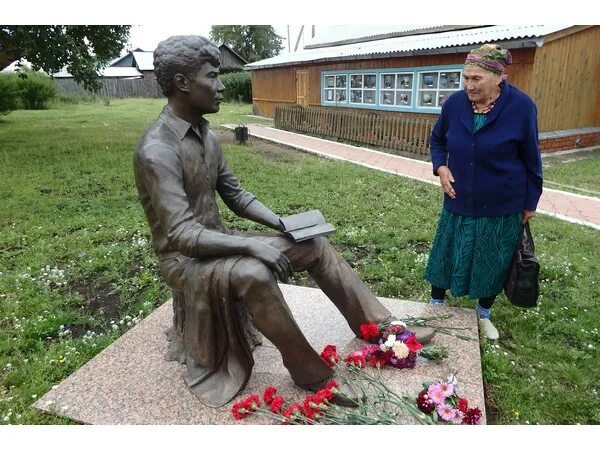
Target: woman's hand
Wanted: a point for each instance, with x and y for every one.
(527, 215)
(446, 180)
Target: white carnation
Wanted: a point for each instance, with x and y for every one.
(400, 350)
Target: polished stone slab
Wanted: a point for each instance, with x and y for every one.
(130, 382)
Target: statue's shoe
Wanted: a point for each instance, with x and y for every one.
(423, 334)
(347, 395)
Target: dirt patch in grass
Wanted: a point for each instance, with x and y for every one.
(420, 246)
(100, 298)
(491, 410)
(266, 149)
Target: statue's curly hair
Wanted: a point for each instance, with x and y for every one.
(182, 54)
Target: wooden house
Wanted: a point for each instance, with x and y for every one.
(132, 75)
(410, 71)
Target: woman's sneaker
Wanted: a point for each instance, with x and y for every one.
(488, 329)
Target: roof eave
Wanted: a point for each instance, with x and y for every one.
(509, 44)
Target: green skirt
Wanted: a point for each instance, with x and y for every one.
(471, 255)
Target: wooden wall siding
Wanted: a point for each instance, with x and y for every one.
(406, 134)
(519, 71)
(272, 87)
(277, 86)
(566, 86)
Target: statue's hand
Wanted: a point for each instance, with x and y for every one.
(273, 258)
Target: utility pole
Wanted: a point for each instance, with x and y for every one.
(299, 36)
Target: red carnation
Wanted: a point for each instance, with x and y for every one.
(463, 404)
(239, 411)
(314, 405)
(472, 416)
(333, 386)
(292, 413)
(324, 394)
(423, 402)
(380, 358)
(252, 402)
(329, 355)
(311, 406)
(356, 358)
(369, 331)
(412, 344)
(276, 405)
(269, 394)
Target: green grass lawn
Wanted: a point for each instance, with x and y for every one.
(579, 173)
(76, 269)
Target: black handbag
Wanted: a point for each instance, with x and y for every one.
(522, 285)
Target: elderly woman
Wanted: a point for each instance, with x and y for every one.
(484, 148)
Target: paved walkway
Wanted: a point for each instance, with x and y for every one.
(563, 205)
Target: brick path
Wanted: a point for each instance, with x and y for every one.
(563, 205)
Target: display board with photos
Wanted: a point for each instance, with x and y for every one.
(396, 89)
(335, 88)
(435, 87)
(363, 88)
(413, 89)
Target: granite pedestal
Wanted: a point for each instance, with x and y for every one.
(130, 382)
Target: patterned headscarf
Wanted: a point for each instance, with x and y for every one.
(490, 57)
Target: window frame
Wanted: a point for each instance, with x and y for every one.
(378, 105)
(362, 89)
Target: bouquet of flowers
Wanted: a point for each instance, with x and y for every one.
(392, 344)
(441, 401)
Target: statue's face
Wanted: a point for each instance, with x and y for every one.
(205, 90)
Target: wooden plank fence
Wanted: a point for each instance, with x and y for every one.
(402, 133)
(114, 88)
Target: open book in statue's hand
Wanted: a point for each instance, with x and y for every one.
(307, 225)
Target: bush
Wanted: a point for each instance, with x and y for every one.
(9, 93)
(238, 87)
(36, 90)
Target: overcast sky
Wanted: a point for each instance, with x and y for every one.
(147, 37)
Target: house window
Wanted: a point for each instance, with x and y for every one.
(363, 88)
(335, 88)
(415, 89)
(396, 89)
(434, 88)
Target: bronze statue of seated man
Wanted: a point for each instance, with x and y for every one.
(225, 282)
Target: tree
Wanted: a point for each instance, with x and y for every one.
(80, 49)
(251, 42)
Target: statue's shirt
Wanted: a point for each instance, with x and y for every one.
(178, 168)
